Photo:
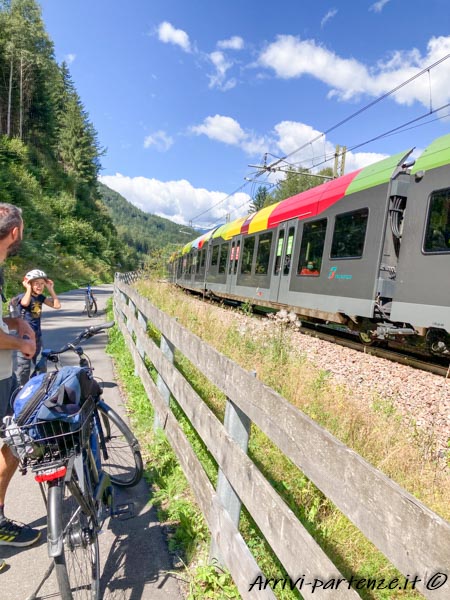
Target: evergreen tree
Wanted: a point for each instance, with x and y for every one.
(262, 198)
(26, 68)
(299, 181)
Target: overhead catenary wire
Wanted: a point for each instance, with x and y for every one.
(388, 133)
(337, 125)
(367, 106)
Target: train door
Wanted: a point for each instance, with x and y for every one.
(282, 264)
(233, 261)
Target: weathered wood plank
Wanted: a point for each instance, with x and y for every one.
(296, 548)
(415, 539)
(239, 560)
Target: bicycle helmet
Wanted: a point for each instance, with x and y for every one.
(35, 274)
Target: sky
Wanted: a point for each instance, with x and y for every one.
(190, 97)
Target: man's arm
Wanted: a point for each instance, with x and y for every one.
(12, 342)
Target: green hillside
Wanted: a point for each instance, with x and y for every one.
(49, 161)
(143, 233)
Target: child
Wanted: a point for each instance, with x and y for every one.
(30, 307)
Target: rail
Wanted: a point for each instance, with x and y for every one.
(411, 536)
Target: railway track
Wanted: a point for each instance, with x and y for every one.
(434, 365)
(345, 339)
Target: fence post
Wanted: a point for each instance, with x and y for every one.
(143, 323)
(237, 424)
(167, 349)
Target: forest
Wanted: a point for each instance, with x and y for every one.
(50, 159)
(144, 233)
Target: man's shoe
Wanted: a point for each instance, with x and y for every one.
(17, 534)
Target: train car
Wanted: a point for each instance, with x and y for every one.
(369, 250)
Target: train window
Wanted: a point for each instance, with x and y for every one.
(311, 250)
(202, 258)
(277, 265)
(247, 255)
(349, 234)
(230, 267)
(437, 234)
(215, 256)
(223, 257)
(236, 255)
(288, 256)
(263, 253)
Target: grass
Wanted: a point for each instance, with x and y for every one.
(377, 432)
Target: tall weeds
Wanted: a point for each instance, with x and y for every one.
(376, 431)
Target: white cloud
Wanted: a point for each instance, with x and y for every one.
(160, 140)
(330, 14)
(178, 200)
(169, 35)
(233, 43)
(378, 6)
(361, 159)
(228, 130)
(302, 144)
(70, 58)
(291, 135)
(222, 129)
(290, 57)
(222, 65)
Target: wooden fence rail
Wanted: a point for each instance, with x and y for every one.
(412, 537)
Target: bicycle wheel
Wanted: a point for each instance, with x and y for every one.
(123, 459)
(88, 304)
(77, 554)
(93, 306)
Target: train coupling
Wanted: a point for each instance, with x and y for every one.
(388, 332)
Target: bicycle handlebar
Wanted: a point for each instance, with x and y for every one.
(84, 335)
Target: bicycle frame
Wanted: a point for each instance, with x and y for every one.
(91, 487)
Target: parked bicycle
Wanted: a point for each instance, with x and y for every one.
(90, 302)
(76, 460)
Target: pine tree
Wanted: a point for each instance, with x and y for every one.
(299, 181)
(262, 198)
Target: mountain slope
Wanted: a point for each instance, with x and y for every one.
(140, 231)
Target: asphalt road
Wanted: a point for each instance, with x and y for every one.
(135, 562)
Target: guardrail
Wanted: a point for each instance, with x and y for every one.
(411, 536)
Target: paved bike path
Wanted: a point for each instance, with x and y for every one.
(135, 562)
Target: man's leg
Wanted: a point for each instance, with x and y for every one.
(8, 466)
(11, 532)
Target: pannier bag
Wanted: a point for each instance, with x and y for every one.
(49, 406)
(54, 396)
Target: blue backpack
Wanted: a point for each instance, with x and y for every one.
(56, 396)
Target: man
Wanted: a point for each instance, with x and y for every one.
(11, 231)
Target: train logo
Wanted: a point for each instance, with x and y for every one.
(333, 274)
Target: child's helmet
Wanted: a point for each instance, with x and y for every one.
(35, 274)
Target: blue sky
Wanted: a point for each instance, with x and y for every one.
(186, 94)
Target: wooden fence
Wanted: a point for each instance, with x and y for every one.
(412, 537)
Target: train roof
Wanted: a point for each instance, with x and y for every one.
(316, 200)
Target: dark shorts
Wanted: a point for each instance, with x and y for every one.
(7, 387)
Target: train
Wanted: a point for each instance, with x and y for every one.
(368, 251)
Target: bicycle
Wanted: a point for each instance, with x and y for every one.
(90, 302)
(74, 467)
